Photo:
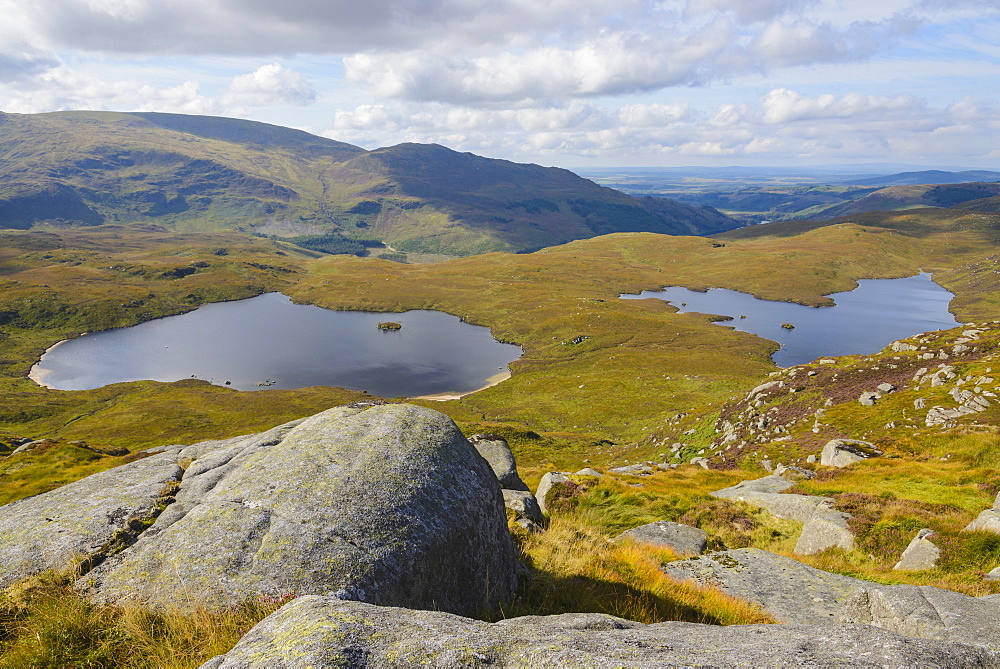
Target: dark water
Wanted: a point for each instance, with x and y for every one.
(267, 338)
(863, 321)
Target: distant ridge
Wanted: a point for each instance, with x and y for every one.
(927, 177)
(201, 173)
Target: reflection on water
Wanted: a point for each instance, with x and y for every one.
(863, 321)
(268, 342)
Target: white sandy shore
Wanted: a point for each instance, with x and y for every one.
(444, 397)
(38, 375)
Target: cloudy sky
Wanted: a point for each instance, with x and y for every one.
(573, 83)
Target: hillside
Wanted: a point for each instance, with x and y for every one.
(975, 196)
(660, 413)
(197, 173)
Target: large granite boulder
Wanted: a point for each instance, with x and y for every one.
(683, 540)
(326, 632)
(388, 504)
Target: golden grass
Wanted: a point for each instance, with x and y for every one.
(47, 624)
(576, 569)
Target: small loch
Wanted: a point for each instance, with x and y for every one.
(269, 342)
(862, 321)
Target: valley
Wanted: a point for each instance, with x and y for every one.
(666, 409)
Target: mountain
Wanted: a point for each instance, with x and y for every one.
(199, 173)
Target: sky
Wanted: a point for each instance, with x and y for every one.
(569, 83)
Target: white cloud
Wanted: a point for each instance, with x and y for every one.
(781, 125)
(269, 85)
(62, 88)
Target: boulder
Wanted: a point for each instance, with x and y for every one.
(987, 521)
(545, 485)
(681, 539)
(524, 504)
(869, 398)
(322, 631)
(587, 471)
(497, 452)
(844, 452)
(388, 504)
(920, 555)
(826, 528)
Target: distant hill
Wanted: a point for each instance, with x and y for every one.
(199, 173)
(976, 196)
(925, 177)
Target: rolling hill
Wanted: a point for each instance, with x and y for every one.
(198, 173)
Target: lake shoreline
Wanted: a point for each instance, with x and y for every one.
(445, 397)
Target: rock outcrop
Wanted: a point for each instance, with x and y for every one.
(86, 520)
(796, 593)
(683, 540)
(928, 613)
(321, 631)
(822, 526)
(387, 504)
(790, 591)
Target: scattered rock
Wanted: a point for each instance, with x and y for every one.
(826, 528)
(389, 504)
(323, 631)
(920, 555)
(635, 470)
(587, 471)
(497, 452)
(885, 388)
(844, 452)
(681, 539)
(900, 346)
(993, 575)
